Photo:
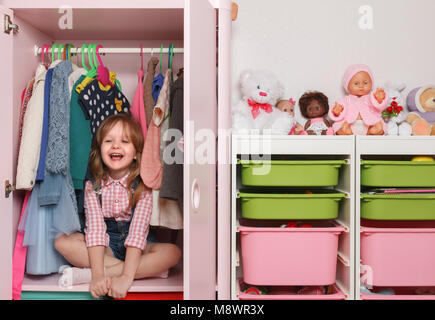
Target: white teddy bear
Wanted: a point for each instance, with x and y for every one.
(261, 90)
(396, 112)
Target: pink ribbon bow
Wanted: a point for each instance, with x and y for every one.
(256, 107)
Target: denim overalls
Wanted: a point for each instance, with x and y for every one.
(118, 231)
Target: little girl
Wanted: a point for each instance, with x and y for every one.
(114, 249)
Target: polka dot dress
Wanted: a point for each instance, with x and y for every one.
(98, 104)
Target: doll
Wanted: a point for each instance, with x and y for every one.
(289, 106)
(359, 112)
(314, 106)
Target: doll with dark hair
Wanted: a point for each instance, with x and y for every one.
(314, 106)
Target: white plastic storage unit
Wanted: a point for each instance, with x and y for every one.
(292, 148)
(395, 253)
(189, 24)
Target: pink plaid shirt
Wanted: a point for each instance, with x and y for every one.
(114, 197)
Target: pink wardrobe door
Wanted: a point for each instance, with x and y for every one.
(200, 118)
(6, 162)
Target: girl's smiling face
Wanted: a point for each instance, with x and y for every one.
(360, 84)
(117, 151)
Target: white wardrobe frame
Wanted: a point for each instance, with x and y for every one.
(204, 273)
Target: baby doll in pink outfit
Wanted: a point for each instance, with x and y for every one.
(359, 112)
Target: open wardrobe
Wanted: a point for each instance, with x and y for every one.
(64, 71)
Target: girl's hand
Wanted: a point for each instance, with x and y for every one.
(99, 286)
(338, 108)
(379, 95)
(120, 286)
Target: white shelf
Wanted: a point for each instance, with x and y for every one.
(174, 283)
(279, 144)
(395, 145)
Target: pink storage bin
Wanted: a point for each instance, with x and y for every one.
(289, 256)
(398, 256)
(288, 293)
(407, 293)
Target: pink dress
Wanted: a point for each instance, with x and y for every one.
(366, 106)
(137, 108)
(19, 256)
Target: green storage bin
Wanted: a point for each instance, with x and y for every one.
(397, 173)
(398, 206)
(56, 295)
(321, 204)
(298, 173)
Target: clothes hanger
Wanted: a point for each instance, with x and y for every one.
(141, 57)
(65, 56)
(161, 57)
(59, 52)
(53, 46)
(44, 50)
(70, 46)
(92, 73)
(82, 51)
(170, 55)
(103, 74)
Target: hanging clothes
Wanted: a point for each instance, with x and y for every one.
(57, 158)
(148, 89)
(172, 180)
(80, 139)
(28, 159)
(27, 94)
(19, 256)
(151, 165)
(98, 104)
(138, 108)
(47, 87)
(52, 207)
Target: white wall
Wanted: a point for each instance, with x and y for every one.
(309, 43)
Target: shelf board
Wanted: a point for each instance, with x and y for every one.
(174, 283)
(395, 145)
(108, 24)
(289, 144)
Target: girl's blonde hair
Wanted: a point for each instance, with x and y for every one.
(98, 169)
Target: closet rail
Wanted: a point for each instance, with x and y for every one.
(38, 50)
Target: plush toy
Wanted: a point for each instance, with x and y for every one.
(360, 111)
(256, 110)
(314, 106)
(421, 104)
(395, 113)
(289, 106)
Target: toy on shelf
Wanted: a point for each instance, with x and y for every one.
(395, 113)
(359, 112)
(314, 106)
(421, 104)
(289, 106)
(256, 111)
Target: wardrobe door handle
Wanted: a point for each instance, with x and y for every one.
(195, 195)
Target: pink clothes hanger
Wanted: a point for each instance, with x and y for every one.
(141, 57)
(103, 74)
(44, 50)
